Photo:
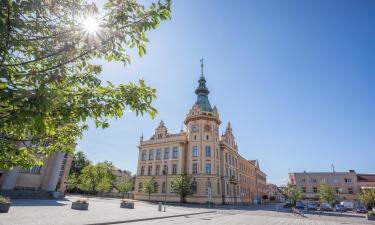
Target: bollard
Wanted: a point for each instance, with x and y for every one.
(159, 207)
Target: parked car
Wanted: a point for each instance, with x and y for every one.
(340, 208)
(326, 207)
(312, 206)
(300, 205)
(348, 204)
(361, 209)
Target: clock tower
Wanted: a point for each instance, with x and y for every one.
(203, 150)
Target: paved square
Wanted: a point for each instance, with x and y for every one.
(108, 211)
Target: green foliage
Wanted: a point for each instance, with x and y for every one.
(371, 213)
(73, 181)
(97, 177)
(49, 84)
(368, 196)
(124, 187)
(149, 187)
(292, 193)
(104, 185)
(4, 199)
(326, 193)
(182, 185)
(79, 162)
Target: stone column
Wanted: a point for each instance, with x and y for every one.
(55, 171)
(10, 179)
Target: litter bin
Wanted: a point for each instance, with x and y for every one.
(159, 206)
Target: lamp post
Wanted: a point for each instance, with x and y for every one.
(165, 172)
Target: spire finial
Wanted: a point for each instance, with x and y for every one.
(201, 67)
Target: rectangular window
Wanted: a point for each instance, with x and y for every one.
(149, 171)
(158, 154)
(217, 153)
(303, 189)
(350, 190)
(142, 170)
(175, 152)
(195, 168)
(208, 151)
(165, 170)
(151, 155)
(315, 189)
(174, 169)
(348, 180)
(208, 168)
(195, 151)
(226, 157)
(157, 170)
(144, 155)
(166, 153)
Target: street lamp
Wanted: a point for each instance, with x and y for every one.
(165, 172)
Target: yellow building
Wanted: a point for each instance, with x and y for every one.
(212, 160)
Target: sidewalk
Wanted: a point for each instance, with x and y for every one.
(101, 211)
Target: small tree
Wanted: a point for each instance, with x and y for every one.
(149, 187)
(326, 193)
(104, 185)
(292, 193)
(368, 197)
(183, 186)
(73, 182)
(124, 187)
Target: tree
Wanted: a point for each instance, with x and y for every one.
(96, 178)
(104, 185)
(368, 197)
(326, 193)
(149, 187)
(49, 84)
(124, 187)
(183, 186)
(73, 182)
(79, 162)
(292, 193)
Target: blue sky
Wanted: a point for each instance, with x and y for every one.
(296, 79)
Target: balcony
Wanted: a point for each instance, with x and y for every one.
(233, 179)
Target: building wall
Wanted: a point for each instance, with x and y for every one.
(38, 177)
(344, 184)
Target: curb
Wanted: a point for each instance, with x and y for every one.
(152, 218)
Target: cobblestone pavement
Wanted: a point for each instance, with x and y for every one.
(107, 211)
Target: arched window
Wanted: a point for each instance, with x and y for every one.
(163, 186)
(194, 187)
(140, 186)
(208, 186)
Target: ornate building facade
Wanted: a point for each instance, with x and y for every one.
(212, 160)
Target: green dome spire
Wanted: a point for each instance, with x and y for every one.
(202, 93)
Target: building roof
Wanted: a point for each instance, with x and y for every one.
(366, 177)
(202, 93)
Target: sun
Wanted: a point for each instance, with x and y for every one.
(91, 25)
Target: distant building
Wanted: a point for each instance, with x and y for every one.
(212, 160)
(275, 193)
(122, 176)
(345, 184)
(366, 181)
(50, 177)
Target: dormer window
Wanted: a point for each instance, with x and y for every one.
(160, 136)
